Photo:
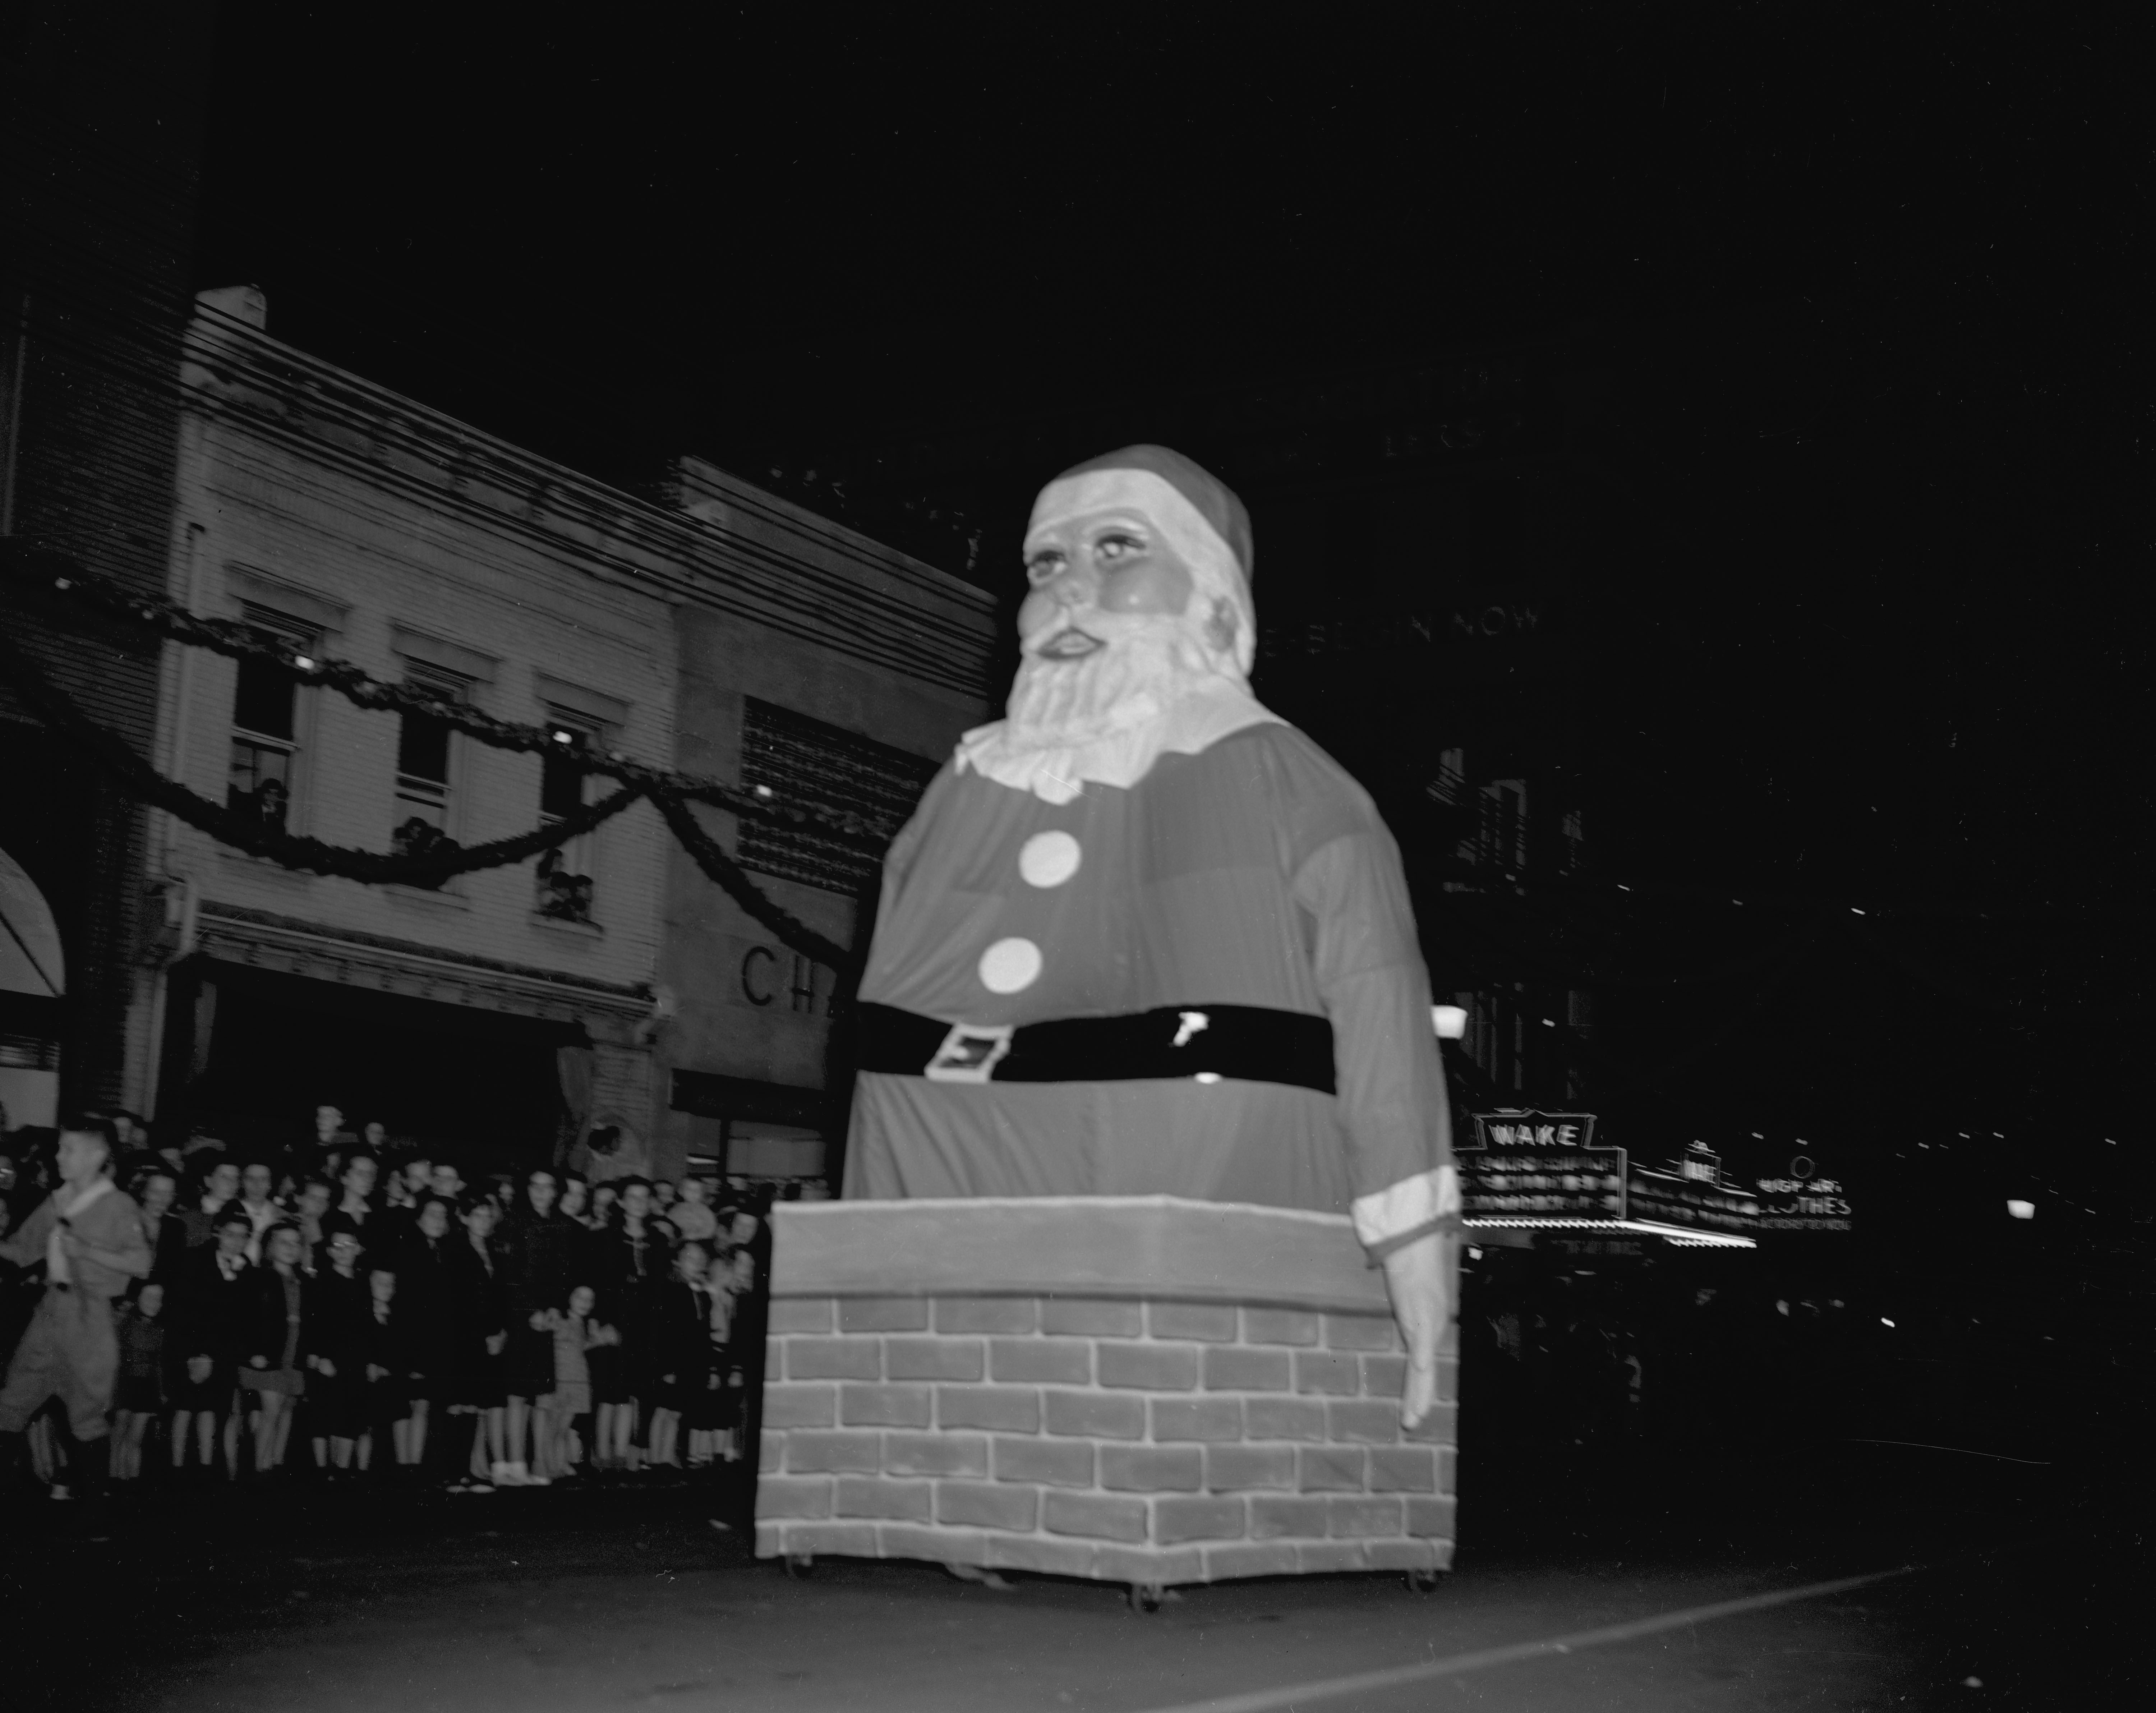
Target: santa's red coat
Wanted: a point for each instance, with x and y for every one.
(1256, 873)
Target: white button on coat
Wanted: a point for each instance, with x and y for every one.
(1048, 859)
(1010, 965)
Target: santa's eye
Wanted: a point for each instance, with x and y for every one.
(1118, 546)
(1044, 566)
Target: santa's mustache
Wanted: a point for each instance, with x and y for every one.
(1072, 695)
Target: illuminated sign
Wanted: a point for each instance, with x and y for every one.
(1690, 1203)
(1538, 1168)
(1802, 1200)
(1533, 1130)
(1543, 1170)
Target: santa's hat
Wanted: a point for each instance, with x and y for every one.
(1198, 514)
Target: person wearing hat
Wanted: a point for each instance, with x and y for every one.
(1143, 937)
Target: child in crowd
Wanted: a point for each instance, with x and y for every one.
(390, 1367)
(613, 1407)
(577, 1335)
(139, 1398)
(724, 1436)
(691, 1213)
(337, 1385)
(273, 1377)
(208, 1341)
(682, 1353)
(663, 1193)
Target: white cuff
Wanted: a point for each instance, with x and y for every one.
(1406, 1206)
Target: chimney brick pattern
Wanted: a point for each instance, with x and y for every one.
(1151, 1442)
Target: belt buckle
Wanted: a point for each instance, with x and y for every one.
(969, 1052)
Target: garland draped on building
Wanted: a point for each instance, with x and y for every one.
(671, 793)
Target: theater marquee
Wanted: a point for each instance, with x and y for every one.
(1542, 1170)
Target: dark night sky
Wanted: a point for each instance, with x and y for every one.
(1860, 294)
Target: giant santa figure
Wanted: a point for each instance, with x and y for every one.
(1142, 937)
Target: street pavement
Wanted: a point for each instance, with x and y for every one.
(1606, 1580)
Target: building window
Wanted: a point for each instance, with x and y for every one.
(1502, 835)
(420, 822)
(265, 723)
(565, 884)
(801, 760)
(1451, 784)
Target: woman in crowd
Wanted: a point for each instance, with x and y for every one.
(633, 1263)
(155, 1190)
(215, 1190)
(576, 1204)
(479, 1323)
(425, 1295)
(538, 1255)
(336, 1390)
(387, 1374)
(273, 1377)
(355, 1210)
(691, 1213)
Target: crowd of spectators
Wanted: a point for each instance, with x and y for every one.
(349, 1311)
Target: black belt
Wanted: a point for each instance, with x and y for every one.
(1250, 1043)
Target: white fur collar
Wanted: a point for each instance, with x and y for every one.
(1191, 724)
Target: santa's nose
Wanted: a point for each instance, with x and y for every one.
(1076, 585)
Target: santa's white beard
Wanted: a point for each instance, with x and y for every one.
(1148, 662)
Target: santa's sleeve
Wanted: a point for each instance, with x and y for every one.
(1390, 1079)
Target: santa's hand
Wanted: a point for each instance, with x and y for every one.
(1420, 1285)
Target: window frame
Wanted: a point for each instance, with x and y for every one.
(577, 858)
(447, 794)
(307, 638)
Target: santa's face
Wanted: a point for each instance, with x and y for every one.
(1107, 637)
(1100, 562)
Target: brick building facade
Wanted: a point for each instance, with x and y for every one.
(505, 1013)
(361, 527)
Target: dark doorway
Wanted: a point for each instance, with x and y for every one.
(479, 1087)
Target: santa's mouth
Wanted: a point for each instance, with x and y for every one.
(1069, 644)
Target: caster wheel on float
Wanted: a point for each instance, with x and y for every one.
(1423, 1582)
(1147, 1597)
(799, 1564)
